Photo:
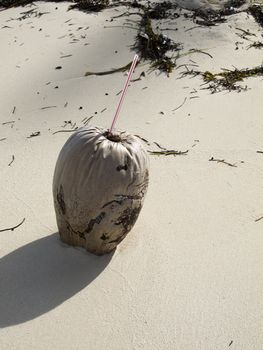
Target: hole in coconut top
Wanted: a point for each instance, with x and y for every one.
(112, 137)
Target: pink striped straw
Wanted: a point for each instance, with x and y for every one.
(135, 59)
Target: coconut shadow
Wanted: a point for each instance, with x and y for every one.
(41, 275)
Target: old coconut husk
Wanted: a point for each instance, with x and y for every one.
(99, 185)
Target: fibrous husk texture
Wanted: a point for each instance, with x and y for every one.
(99, 185)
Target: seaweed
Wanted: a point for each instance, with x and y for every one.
(211, 18)
(256, 45)
(257, 12)
(13, 227)
(115, 70)
(90, 5)
(168, 153)
(16, 3)
(212, 159)
(161, 10)
(154, 46)
(227, 79)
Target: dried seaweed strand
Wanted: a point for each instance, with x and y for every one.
(212, 159)
(13, 158)
(168, 153)
(115, 70)
(14, 227)
(56, 132)
(181, 105)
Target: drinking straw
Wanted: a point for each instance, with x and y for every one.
(135, 59)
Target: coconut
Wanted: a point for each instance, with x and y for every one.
(99, 185)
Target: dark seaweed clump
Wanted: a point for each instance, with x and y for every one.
(154, 46)
(228, 79)
(257, 12)
(161, 10)
(90, 5)
(211, 18)
(15, 3)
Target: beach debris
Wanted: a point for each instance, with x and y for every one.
(259, 151)
(246, 32)
(257, 12)
(230, 343)
(115, 70)
(227, 79)
(2, 139)
(162, 10)
(211, 17)
(154, 46)
(14, 109)
(212, 159)
(150, 42)
(159, 146)
(9, 122)
(86, 122)
(14, 227)
(139, 78)
(66, 123)
(256, 45)
(58, 131)
(13, 158)
(90, 5)
(47, 107)
(143, 139)
(65, 56)
(181, 105)
(167, 152)
(34, 134)
(258, 219)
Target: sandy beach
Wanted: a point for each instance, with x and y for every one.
(188, 276)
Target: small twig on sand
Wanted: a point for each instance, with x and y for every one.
(48, 107)
(246, 32)
(14, 227)
(143, 139)
(13, 158)
(181, 105)
(168, 153)
(4, 138)
(200, 51)
(157, 144)
(259, 219)
(14, 109)
(56, 132)
(88, 120)
(212, 159)
(11, 122)
(34, 134)
(259, 151)
(116, 70)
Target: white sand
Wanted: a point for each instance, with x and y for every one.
(189, 275)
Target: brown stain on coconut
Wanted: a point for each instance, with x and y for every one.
(127, 219)
(60, 199)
